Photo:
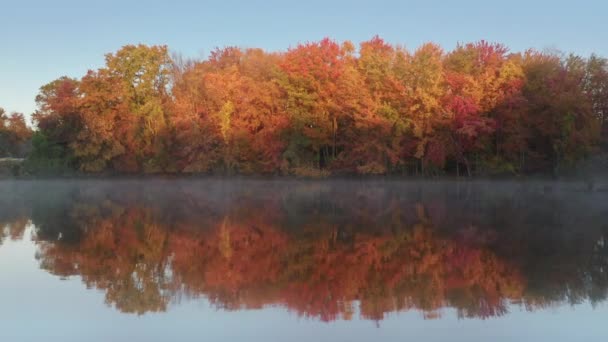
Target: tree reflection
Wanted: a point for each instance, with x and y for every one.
(326, 251)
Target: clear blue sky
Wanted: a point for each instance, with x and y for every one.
(43, 40)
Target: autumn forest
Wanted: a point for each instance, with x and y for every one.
(320, 108)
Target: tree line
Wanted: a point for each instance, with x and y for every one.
(14, 134)
(325, 108)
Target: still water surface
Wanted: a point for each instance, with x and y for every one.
(253, 260)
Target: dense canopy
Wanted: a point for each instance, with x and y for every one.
(326, 108)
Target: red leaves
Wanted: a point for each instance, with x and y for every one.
(323, 105)
(316, 64)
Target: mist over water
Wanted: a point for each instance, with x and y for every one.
(342, 256)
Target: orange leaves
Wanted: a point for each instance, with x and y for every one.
(240, 107)
(325, 107)
(315, 62)
(57, 113)
(101, 109)
(59, 96)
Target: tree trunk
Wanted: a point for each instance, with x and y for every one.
(466, 164)
(461, 155)
(335, 129)
(319, 158)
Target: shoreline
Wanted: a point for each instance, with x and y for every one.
(603, 179)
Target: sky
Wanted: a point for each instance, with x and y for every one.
(43, 40)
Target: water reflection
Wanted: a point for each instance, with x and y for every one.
(324, 250)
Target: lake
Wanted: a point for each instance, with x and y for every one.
(286, 260)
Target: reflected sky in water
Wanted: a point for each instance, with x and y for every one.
(286, 260)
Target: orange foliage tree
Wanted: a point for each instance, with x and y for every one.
(327, 107)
